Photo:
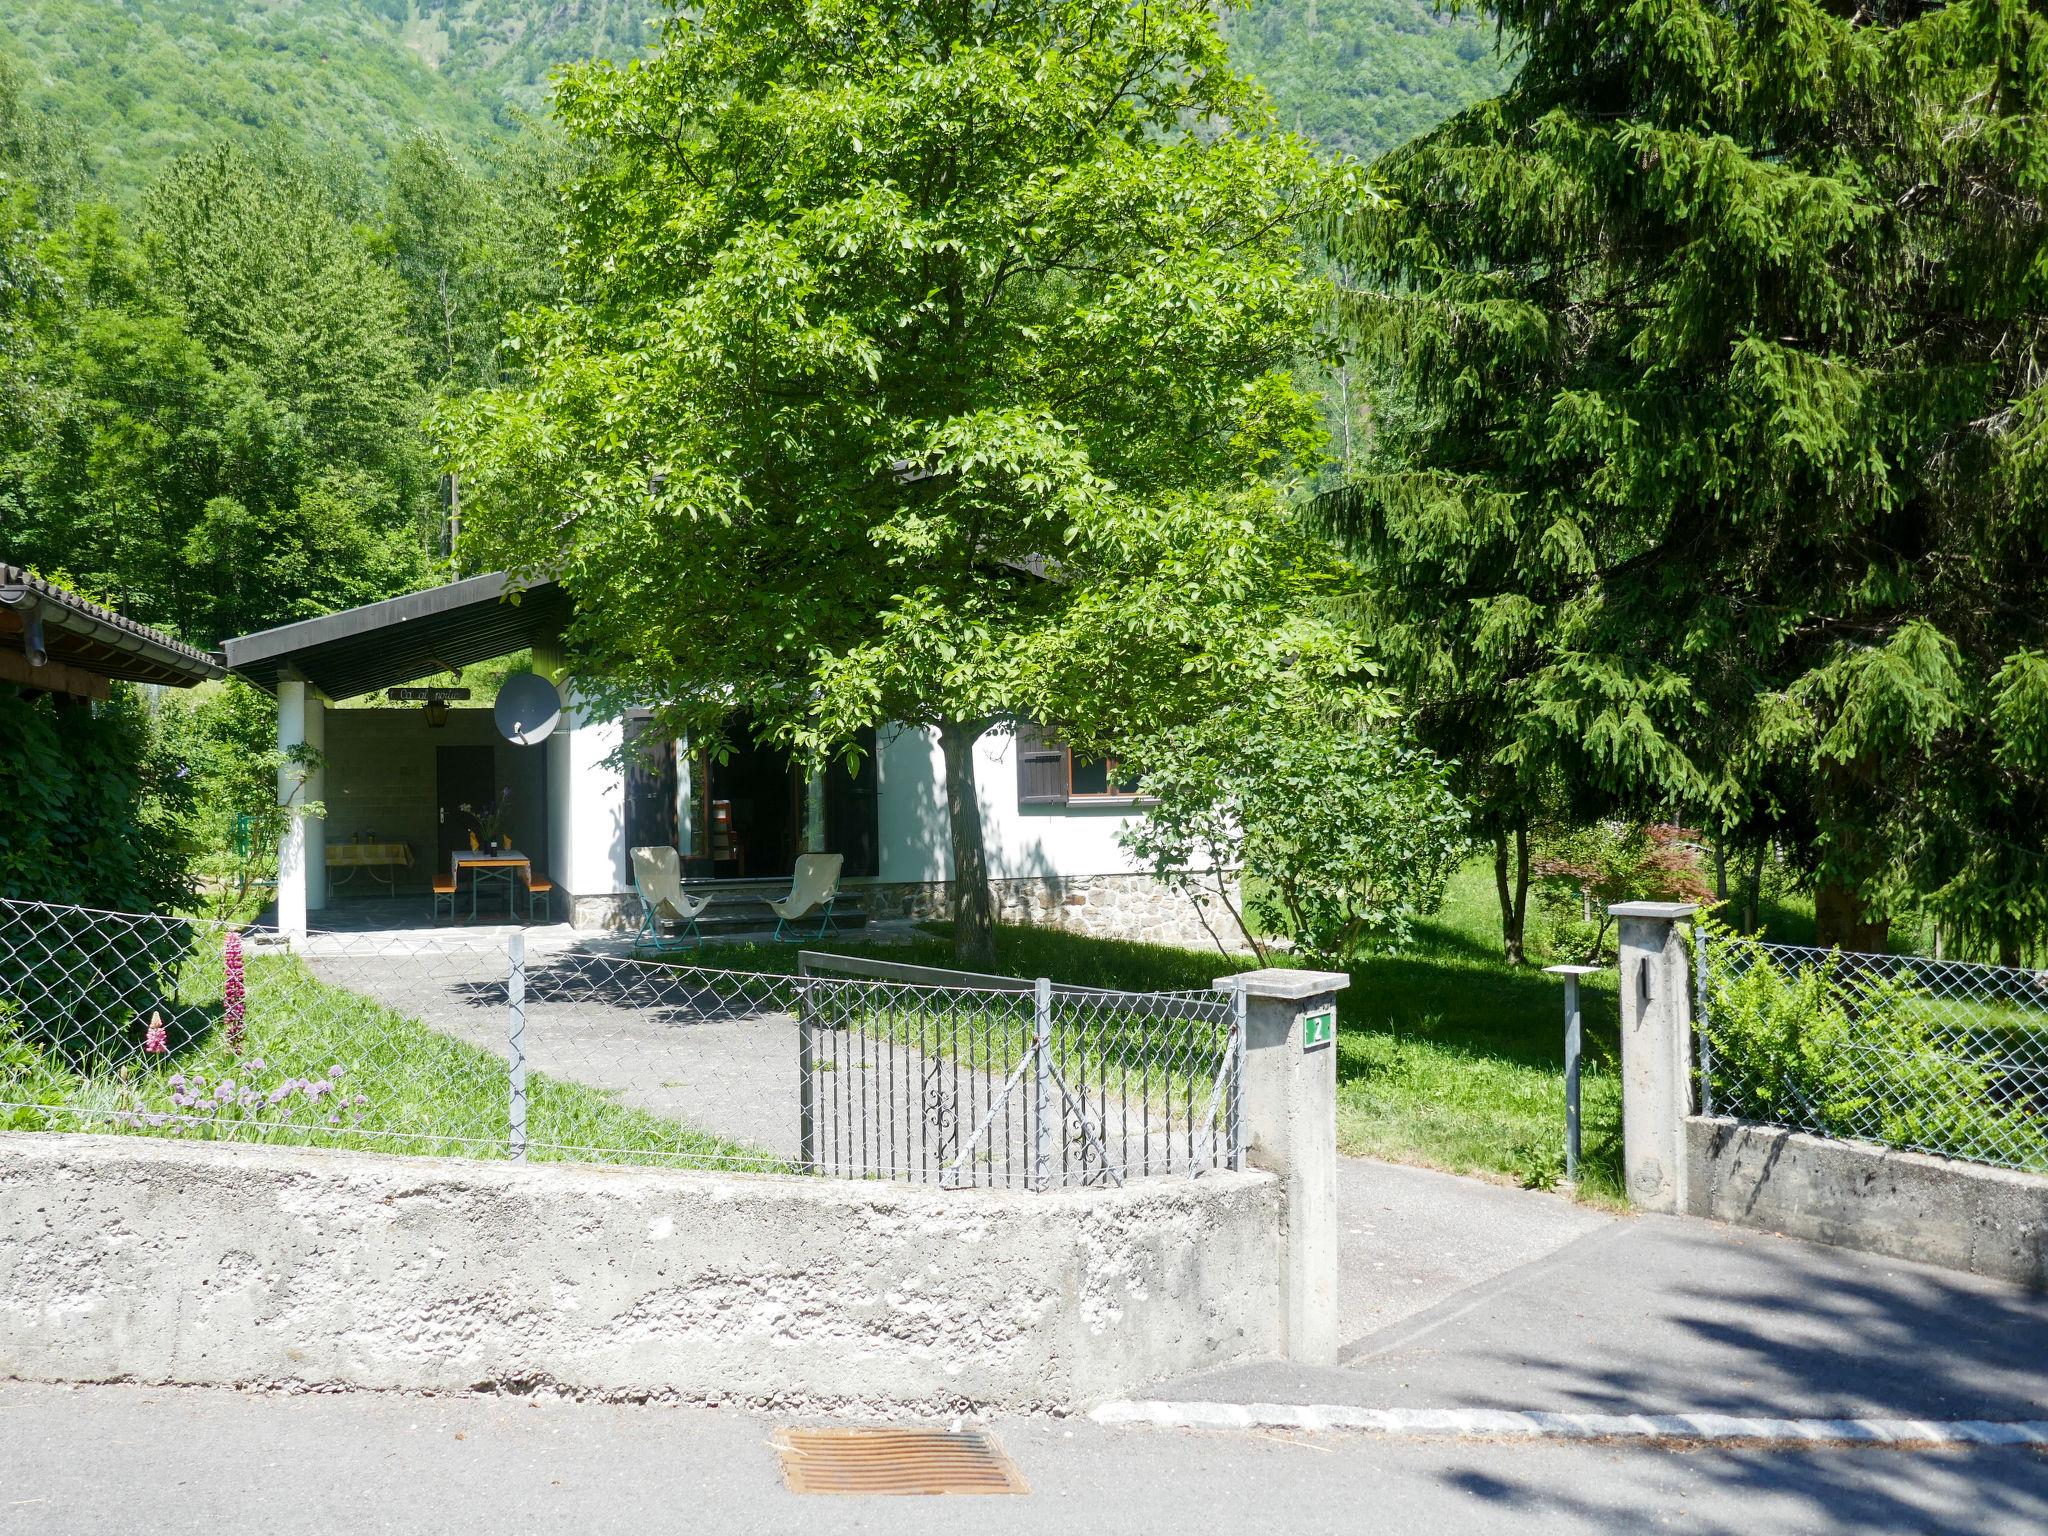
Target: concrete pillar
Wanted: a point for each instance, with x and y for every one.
(1656, 1051)
(315, 793)
(291, 851)
(1289, 1103)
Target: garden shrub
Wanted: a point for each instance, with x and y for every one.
(95, 809)
(1848, 1049)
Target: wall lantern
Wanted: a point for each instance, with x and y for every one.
(436, 701)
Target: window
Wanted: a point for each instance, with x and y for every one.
(1050, 773)
(1094, 777)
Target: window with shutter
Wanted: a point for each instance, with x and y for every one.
(1041, 766)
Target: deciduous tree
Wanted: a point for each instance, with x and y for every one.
(895, 326)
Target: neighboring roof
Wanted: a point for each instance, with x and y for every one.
(47, 633)
(402, 638)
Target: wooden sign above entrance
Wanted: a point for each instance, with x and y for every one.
(428, 695)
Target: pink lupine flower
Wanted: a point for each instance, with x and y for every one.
(231, 989)
(158, 1040)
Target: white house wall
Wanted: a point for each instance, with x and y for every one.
(589, 805)
(1023, 842)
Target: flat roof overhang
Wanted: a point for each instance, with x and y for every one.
(380, 645)
(56, 640)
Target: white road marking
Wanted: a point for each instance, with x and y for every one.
(1495, 1423)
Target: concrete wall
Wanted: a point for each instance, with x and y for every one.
(155, 1261)
(587, 814)
(1989, 1221)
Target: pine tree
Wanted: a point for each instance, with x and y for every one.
(1715, 482)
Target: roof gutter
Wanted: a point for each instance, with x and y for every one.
(43, 607)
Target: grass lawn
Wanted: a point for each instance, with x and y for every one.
(1446, 1056)
(324, 1066)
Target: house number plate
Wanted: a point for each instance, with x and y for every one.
(1318, 1028)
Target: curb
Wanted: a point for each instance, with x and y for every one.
(1491, 1423)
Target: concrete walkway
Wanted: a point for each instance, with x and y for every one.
(1411, 1237)
(1529, 1303)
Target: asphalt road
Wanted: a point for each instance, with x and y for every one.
(123, 1459)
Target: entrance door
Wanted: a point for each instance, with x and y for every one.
(754, 803)
(462, 776)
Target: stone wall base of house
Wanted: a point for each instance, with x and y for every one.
(1100, 906)
(605, 914)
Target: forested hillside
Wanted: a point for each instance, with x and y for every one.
(141, 82)
(1365, 76)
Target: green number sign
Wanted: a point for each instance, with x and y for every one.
(1318, 1028)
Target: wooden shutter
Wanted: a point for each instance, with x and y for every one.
(1041, 766)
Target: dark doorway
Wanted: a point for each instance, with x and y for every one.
(462, 776)
(650, 784)
(756, 813)
(852, 823)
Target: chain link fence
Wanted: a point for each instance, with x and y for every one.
(482, 1045)
(1940, 1056)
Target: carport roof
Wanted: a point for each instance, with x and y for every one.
(380, 645)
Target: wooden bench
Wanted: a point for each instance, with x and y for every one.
(539, 887)
(444, 890)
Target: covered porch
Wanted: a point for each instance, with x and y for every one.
(395, 782)
(382, 794)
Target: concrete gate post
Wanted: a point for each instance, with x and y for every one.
(1656, 1051)
(1288, 1099)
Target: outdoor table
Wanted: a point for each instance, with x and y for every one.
(389, 857)
(511, 866)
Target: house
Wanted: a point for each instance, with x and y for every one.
(394, 779)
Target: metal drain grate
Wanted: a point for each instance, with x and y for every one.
(881, 1460)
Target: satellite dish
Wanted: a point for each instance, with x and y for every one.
(528, 708)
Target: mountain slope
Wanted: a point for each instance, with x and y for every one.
(1364, 76)
(143, 81)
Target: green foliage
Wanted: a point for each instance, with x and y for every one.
(1839, 1049)
(1344, 832)
(217, 429)
(1711, 484)
(95, 808)
(1582, 871)
(925, 297)
(1365, 76)
(222, 739)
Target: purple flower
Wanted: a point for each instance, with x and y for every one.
(157, 1041)
(335, 1071)
(232, 991)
